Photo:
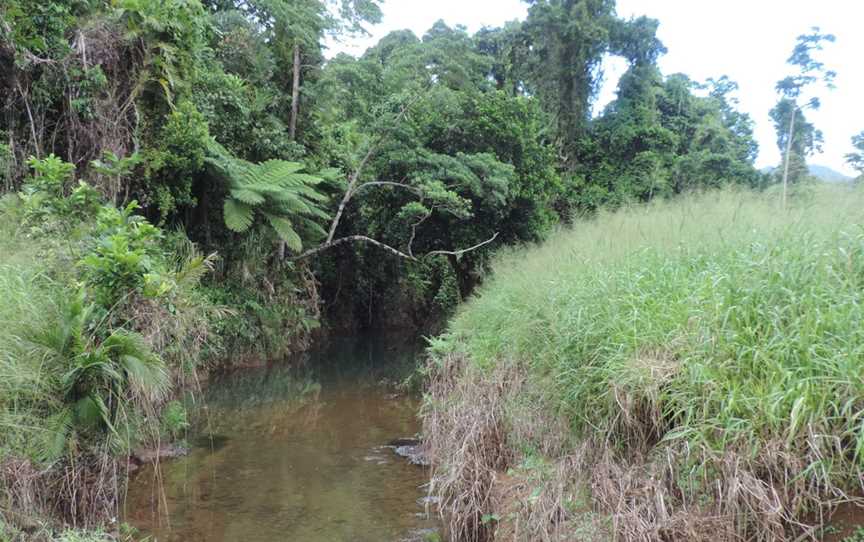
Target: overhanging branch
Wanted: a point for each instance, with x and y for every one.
(354, 178)
(462, 251)
(353, 238)
(388, 248)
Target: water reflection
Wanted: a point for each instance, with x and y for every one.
(293, 454)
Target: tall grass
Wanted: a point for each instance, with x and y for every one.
(30, 389)
(714, 335)
(79, 391)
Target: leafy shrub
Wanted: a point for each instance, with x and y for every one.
(49, 203)
(125, 259)
(261, 324)
(179, 154)
(174, 420)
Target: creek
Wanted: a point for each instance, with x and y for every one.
(295, 451)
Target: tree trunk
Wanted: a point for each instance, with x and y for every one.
(295, 93)
(788, 153)
(295, 111)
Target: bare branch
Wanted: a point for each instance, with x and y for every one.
(464, 250)
(353, 238)
(349, 191)
(414, 230)
(355, 176)
(26, 99)
(388, 248)
(354, 186)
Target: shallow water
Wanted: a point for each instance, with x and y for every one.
(293, 454)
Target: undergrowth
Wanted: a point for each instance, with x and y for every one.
(100, 318)
(698, 363)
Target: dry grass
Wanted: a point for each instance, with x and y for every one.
(488, 489)
(81, 492)
(465, 414)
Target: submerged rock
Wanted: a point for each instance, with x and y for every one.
(151, 455)
(408, 441)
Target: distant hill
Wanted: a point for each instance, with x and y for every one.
(823, 173)
(829, 175)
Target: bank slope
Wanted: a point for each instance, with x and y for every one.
(688, 370)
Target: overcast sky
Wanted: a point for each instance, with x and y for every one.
(748, 40)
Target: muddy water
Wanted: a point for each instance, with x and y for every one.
(283, 453)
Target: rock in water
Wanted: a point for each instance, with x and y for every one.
(167, 451)
(409, 441)
(415, 454)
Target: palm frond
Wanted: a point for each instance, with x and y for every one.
(194, 269)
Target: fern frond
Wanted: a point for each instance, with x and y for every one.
(311, 227)
(276, 188)
(286, 232)
(238, 216)
(248, 196)
(280, 168)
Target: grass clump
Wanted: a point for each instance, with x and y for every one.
(705, 356)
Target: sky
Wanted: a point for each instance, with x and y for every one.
(747, 40)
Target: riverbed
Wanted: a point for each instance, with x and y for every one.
(297, 450)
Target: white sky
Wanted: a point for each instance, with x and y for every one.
(748, 40)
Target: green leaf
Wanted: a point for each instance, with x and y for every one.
(248, 196)
(238, 215)
(286, 232)
(489, 518)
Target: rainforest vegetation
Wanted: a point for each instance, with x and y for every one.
(190, 185)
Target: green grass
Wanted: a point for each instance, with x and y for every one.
(714, 324)
(29, 382)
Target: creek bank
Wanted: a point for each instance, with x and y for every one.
(677, 384)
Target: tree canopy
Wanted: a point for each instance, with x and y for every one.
(391, 176)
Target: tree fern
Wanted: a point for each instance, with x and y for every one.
(276, 191)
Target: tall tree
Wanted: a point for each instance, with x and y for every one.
(567, 41)
(296, 30)
(793, 100)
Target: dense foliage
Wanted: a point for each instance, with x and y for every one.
(101, 317)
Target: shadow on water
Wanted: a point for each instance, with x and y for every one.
(294, 452)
